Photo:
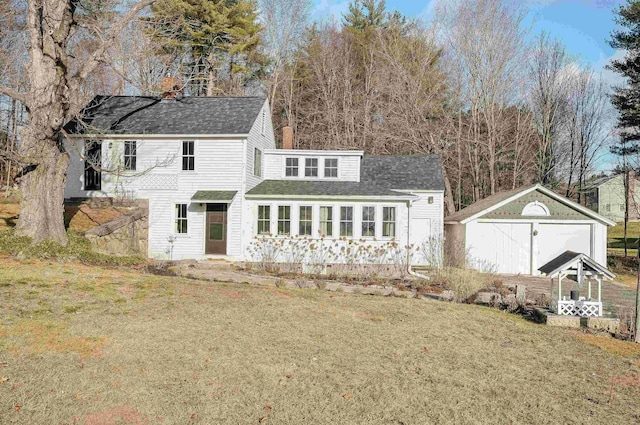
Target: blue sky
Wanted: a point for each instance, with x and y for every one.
(582, 25)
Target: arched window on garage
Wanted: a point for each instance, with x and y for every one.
(536, 209)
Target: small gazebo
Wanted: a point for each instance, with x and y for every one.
(578, 267)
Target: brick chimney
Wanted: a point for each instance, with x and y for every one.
(170, 87)
(287, 137)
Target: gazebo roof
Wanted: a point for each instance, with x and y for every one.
(569, 260)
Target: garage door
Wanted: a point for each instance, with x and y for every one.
(554, 239)
(503, 247)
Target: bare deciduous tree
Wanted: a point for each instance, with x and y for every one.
(53, 97)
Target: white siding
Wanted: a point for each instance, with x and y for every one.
(403, 233)
(600, 243)
(262, 140)
(219, 165)
(348, 165)
(427, 218)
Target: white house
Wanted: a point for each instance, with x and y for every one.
(520, 230)
(215, 181)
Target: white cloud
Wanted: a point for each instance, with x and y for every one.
(611, 78)
(330, 9)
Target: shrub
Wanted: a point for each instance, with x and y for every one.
(348, 257)
(464, 282)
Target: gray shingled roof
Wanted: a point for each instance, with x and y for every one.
(153, 115)
(214, 195)
(378, 176)
(485, 203)
(407, 172)
(565, 260)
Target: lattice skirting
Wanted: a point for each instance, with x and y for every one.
(579, 308)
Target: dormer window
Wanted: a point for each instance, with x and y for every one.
(331, 167)
(291, 167)
(311, 167)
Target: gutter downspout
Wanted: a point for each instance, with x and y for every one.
(411, 272)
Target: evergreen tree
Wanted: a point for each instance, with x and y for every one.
(364, 14)
(219, 38)
(627, 99)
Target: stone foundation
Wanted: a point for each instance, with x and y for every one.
(126, 235)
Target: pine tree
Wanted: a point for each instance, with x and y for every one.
(365, 14)
(220, 39)
(627, 102)
(627, 99)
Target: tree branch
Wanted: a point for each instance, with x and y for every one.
(108, 41)
(20, 97)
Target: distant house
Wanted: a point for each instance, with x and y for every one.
(520, 230)
(214, 179)
(605, 196)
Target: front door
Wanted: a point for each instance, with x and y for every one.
(216, 230)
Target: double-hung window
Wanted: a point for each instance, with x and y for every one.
(326, 221)
(369, 221)
(181, 218)
(346, 221)
(130, 152)
(257, 162)
(306, 220)
(291, 167)
(264, 219)
(311, 167)
(331, 167)
(284, 220)
(389, 222)
(188, 156)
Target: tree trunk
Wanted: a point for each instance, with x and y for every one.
(449, 204)
(42, 189)
(636, 337)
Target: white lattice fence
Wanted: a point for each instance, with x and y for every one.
(579, 308)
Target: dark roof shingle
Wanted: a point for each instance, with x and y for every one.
(379, 176)
(485, 203)
(153, 115)
(406, 172)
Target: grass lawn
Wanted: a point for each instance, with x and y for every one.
(616, 238)
(90, 345)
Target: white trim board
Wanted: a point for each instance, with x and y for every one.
(546, 191)
(301, 152)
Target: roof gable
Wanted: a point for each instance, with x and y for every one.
(569, 259)
(484, 207)
(557, 210)
(141, 115)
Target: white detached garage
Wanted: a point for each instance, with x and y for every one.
(520, 230)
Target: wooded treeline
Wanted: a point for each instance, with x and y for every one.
(502, 106)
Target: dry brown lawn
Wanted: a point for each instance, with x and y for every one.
(90, 345)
